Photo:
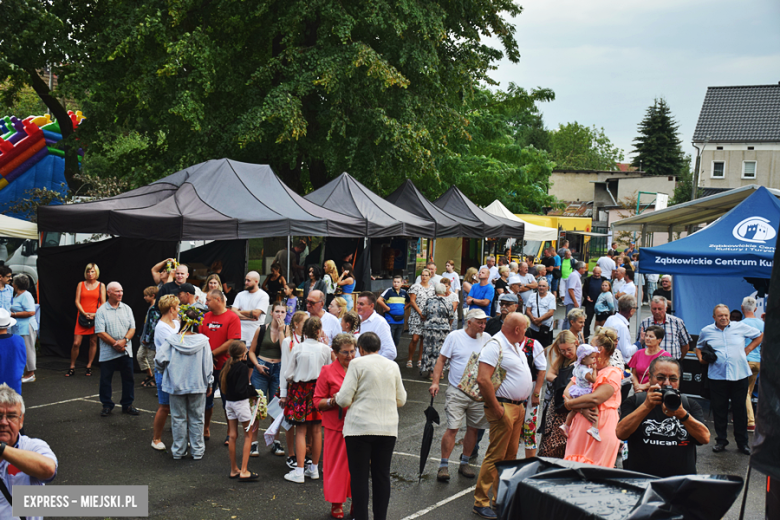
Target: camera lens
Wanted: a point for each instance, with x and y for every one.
(671, 398)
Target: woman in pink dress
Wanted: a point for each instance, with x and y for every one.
(335, 466)
(605, 396)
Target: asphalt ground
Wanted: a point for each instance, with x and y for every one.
(116, 450)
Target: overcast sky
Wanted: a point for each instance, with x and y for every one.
(607, 59)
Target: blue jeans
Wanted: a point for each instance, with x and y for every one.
(554, 284)
(162, 397)
(396, 331)
(565, 325)
(107, 368)
(269, 384)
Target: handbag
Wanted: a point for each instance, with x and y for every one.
(468, 381)
(86, 322)
(559, 386)
(543, 329)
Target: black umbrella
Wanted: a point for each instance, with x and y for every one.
(431, 416)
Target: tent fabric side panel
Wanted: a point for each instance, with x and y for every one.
(230, 253)
(694, 298)
(448, 249)
(61, 269)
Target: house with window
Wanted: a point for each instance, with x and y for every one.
(738, 137)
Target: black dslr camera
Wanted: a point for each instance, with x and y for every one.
(670, 397)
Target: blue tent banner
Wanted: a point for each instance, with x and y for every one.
(741, 243)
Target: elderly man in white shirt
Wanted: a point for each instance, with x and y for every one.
(491, 266)
(528, 283)
(370, 321)
(331, 326)
(628, 288)
(619, 323)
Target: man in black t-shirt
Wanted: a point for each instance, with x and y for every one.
(666, 291)
(507, 303)
(661, 442)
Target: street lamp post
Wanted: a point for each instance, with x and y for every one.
(697, 169)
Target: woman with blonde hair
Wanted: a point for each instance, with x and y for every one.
(561, 356)
(338, 307)
(211, 283)
(330, 278)
(469, 278)
(90, 294)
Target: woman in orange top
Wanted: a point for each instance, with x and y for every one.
(605, 396)
(90, 294)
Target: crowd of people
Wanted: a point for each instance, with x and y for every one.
(586, 391)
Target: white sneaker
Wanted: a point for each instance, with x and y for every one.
(254, 452)
(294, 476)
(30, 379)
(312, 472)
(277, 449)
(593, 432)
(159, 446)
(217, 394)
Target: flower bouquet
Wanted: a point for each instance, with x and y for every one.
(259, 406)
(171, 265)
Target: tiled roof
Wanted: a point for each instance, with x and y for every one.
(740, 114)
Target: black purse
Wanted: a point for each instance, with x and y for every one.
(559, 386)
(86, 322)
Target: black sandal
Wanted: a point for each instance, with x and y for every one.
(88, 372)
(146, 383)
(71, 372)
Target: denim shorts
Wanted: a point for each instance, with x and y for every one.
(269, 384)
(162, 397)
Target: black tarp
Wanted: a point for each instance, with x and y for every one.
(215, 200)
(230, 253)
(455, 202)
(346, 195)
(766, 444)
(540, 487)
(408, 197)
(60, 269)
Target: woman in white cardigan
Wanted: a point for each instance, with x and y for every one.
(373, 391)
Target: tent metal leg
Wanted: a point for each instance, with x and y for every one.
(288, 258)
(433, 250)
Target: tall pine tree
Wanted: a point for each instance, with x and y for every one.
(658, 150)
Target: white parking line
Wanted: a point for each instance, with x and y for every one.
(423, 512)
(60, 402)
(139, 409)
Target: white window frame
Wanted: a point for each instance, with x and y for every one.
(712, 170)
(755, 170)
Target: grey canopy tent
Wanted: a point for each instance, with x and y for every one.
(456, 203)
(408, 197)
(219, 199)
(384, 219)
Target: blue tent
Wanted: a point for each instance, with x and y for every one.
(740, 243)
(711, 265)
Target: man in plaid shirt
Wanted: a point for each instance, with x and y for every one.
(676, 340)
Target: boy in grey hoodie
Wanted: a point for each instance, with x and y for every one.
(187, 367)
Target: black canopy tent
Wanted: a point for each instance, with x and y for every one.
(456, 203)
(409, 198)
(219, 199)
(383, 218)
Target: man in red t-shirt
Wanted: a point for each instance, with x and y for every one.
(222, 328)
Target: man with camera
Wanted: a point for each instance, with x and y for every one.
(662, 427)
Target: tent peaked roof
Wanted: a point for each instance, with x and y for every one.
(455, 202)
(741, 243)
(17, 228)
(408, 197)
(384, 219)
(532, 231)
(219, 199)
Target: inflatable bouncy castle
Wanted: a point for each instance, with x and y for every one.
(28, 158)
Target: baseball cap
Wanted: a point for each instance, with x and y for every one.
(508, 297)
(187, 287)
(476, 314)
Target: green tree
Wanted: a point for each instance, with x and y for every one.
(26, 103)
(373, 87)
(495, 162)
(682, 192)
(658, 150)
(577, 147)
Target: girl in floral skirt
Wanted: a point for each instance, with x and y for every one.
(305, 363)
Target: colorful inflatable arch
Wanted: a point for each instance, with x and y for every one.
(28, 158)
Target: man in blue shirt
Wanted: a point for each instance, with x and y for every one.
(394, 302)
(6, 289)
(749, 305)
(481, 296)
(13, 354)
(729, 374)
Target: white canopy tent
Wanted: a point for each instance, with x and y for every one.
(17, 228)
(533, 232)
